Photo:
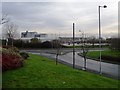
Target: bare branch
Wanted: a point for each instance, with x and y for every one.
(10, 30)
(4, 19)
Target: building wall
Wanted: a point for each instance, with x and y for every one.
(28, 34)
(47, 37)
(43, 37)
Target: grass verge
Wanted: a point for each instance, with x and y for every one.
(40, 72)
(96, 54)
(90, 46)
(111, 54)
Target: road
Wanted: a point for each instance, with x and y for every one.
(109, 70)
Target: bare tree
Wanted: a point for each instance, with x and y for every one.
(4, 19)
(10, 31)
(56, 45)
(85, 49)
(58, 50)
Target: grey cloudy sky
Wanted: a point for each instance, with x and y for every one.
(57, 17)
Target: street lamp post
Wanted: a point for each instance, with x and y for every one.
(100, 34)
(73, 45)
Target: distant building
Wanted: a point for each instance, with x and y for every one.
(41, 36)
(27, 36)
(70, 39)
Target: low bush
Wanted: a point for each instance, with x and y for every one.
(4, 46)
(46, 44)
(11, 48)
(24, 55)
(10, 59)
(110, 58)
(15, 49)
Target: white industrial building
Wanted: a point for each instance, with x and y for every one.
(27, 36)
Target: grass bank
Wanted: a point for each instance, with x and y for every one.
(40, 72)
(90, 46)
(107, 53)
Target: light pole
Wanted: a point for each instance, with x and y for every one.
(100, 33)
(73, 45)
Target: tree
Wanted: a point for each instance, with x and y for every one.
(56, 44)
(4, 19)
(10, 31)
(115, 43)
(46, 44)
(85, 49)
(34, 40)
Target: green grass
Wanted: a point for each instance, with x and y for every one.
(96, 54)
(90, 46)
(72, 46)
(40, 72)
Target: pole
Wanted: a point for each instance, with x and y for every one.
(57, 49)
(73, 46)
(84, 51)
(6, 42)
(100, 39)
(57, 58)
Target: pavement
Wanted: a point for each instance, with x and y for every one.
(108, 69)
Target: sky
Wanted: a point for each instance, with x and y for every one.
(52, 16)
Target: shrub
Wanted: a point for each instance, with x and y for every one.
(110, 58)
(11, 48)
(46, 44)
(24, 55)
(4, 46)
(115, 43)
(14, 49)
(10, 60)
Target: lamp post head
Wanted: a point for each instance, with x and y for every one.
(105, 6)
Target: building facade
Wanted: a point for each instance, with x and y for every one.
(27, 36)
